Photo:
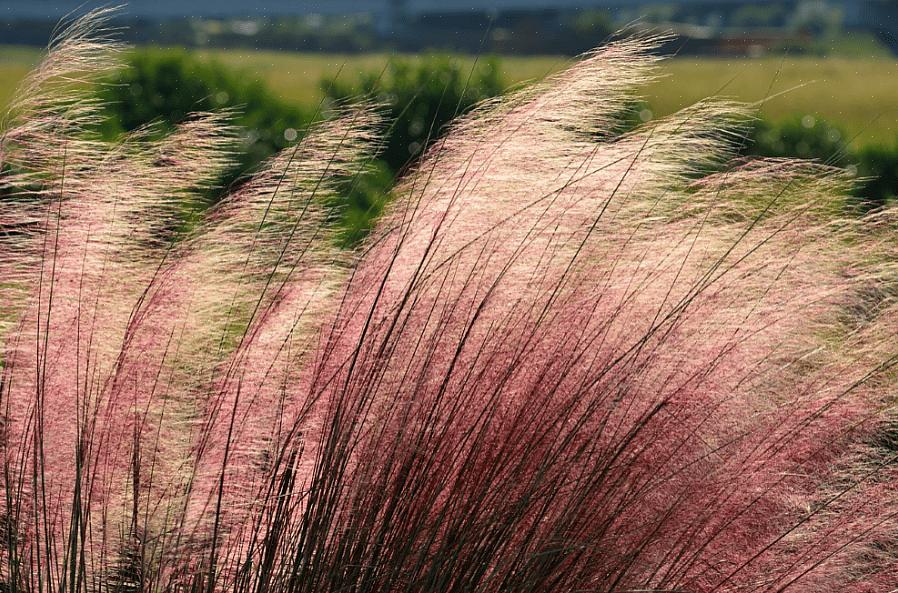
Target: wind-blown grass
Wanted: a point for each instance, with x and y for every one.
(567, 359)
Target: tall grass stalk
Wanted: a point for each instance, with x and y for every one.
(567, 358)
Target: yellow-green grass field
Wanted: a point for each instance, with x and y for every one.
(860, 94)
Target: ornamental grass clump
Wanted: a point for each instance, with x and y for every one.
(567, 358)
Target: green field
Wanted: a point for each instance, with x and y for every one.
(14, 65)
(860, 94)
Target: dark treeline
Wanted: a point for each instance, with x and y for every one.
(529, 32)
(709, 28)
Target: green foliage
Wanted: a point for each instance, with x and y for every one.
(813, 138)
(592, 24)
(878, 169)
(162, 85)
(165, 86)
(420, 97)
(365, 198)
(313, 32)
(818, 18)
(752, 15)
(805, 137)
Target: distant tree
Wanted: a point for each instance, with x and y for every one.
(421, 97)
(591, 27)
(165, 86)
(759, 16)
(817, 18)
(813, 138)
(878, 170)
(799, 136)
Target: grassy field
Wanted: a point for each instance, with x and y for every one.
(14, 65)
(860, 94)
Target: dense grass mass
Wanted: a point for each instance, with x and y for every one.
(857, 94)
(572, 354)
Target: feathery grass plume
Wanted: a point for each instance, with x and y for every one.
(44, 132)
(263, 270)
(138, 327)
(567, 359)
(563, 364)
(86, 260)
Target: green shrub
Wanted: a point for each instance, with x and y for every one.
(163, 85)
(812, 138)
(363, 201)
(421, 97)
(877, 166)
(805, 137)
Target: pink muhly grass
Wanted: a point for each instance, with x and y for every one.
(567, 358)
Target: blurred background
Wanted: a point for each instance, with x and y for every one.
(830, 66)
